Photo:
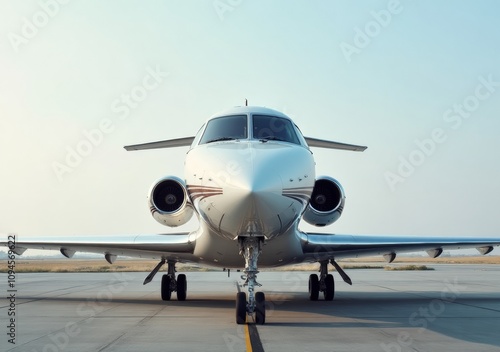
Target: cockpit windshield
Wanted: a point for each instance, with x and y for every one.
(225, 128)
(274, 128)
(265, 128)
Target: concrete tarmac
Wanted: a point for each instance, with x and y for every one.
(453, 308)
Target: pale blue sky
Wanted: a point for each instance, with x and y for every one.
(287, 55)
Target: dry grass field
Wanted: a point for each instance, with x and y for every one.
(487, 259)
(140, 265)
(88, 266)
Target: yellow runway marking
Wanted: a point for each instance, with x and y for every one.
(247, 339)
(252, 339)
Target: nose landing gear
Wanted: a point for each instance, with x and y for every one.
(250, 248)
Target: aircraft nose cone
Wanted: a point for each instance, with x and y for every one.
(257, 183)
(255, 193)
(254, 203)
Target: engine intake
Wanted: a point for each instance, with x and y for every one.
(169, 202)
(327, 202)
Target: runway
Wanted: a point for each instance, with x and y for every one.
(453, 308)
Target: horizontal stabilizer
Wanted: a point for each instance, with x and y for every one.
(169, 143)
(321, 143)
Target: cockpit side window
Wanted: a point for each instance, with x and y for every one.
(197, 138)
(225, 128)
(274, 128)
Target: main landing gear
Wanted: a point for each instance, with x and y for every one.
(169, 283)
(325, 282)
(250, 248)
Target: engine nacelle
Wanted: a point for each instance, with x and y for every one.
(326, 204)
(169, 202)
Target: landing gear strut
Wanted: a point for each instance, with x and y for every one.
(250, 248)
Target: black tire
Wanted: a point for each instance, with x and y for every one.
(329, 288)
(181, 287)
(260, 308)
(241, 308)
(166, 293)
(313, 287)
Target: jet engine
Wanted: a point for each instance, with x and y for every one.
(327, 202)
(169, 202)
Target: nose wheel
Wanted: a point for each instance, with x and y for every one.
(260, 308)
(241, 308)
(250, 248)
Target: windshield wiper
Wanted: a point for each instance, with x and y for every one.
(272, 138)
(221, 139)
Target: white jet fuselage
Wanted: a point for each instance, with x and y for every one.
(249, 188)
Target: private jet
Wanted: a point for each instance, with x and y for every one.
(250, 179)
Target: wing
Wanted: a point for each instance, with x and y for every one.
(169, 143)
(321, 143)
(320, 246)
(177, 247)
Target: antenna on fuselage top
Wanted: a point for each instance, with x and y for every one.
(246, 102)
